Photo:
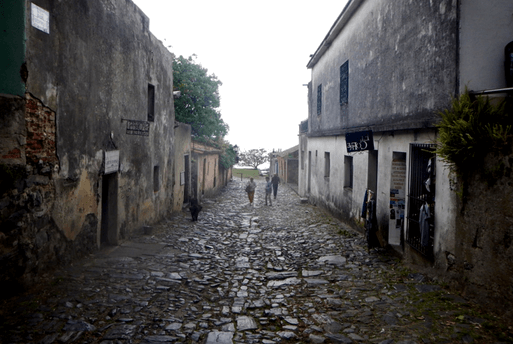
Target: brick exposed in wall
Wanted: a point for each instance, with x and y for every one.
(40, 122)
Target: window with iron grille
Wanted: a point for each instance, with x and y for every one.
(344, 83)
(421, 199)
(319, 99)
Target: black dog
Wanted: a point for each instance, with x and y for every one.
(195, 208)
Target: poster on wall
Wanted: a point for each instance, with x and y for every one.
(397, 198)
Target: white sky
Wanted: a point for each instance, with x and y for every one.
(258, 49)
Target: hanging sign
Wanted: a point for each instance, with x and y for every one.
(360, 141)
(111, 162)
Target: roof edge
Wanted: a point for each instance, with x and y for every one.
(338, 25)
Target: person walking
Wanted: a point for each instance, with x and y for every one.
(268, 191)
(250, 189)
(275, 181)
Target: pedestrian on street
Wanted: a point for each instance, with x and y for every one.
(250, 189)
(275, 181)
(268, 190)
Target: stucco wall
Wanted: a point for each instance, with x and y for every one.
(182, 157)
(486, 28)
(95, 82)
(402, 67)
(482, 262)
(346, 202)
(208, 176)
(84, 79)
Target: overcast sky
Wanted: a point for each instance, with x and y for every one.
(259, 51)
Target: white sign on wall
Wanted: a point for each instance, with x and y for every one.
(40, 18)
(111, 162)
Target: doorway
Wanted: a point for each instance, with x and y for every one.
(309, 172)
(186, 192)
(421, 199)
(109, 225)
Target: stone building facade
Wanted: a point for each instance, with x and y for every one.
(87, 134)
(285, 164)
(208, 176)
(182, 166)
(378, 80)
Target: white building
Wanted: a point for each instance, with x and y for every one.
(379, 78)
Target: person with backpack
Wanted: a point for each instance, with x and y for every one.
(250, 190)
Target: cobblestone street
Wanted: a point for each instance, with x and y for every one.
(284, 273)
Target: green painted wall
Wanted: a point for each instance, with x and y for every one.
(12, 46)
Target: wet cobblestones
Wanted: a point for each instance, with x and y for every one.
(286, 273)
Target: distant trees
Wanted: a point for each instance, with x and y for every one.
(253, 157)
(199, 101)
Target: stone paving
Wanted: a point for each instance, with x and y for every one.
(286, 273)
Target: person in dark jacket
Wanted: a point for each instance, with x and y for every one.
(275, 181)
(195, 208)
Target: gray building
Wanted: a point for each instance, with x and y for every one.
(87, 131)
(378, 79)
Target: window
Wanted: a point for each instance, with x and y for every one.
(319, 99)
(348, 171)
(156, 179)
(326, 164)
(151, 103)
(344, 83)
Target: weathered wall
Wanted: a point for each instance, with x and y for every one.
(84, 80)
(30, 240)
(482, 263)
(402, 67)
(181, 159)
(108, 44)
(208, 175)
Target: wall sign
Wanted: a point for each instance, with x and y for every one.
(141, 128)
(111, 162)
(360, 141)
(40, 18)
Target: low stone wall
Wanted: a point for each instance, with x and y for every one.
(483, 260)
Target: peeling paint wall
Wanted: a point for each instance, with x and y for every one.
(182, 165)
(97, 83)
(208, 176)
(402, 67)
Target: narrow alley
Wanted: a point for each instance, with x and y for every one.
(285, 273)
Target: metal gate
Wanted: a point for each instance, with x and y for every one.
(421, 198)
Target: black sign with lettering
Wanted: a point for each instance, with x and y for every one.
(141, 128)
(360, 141)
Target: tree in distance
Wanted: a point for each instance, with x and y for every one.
(253, 157)
(199, 100)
